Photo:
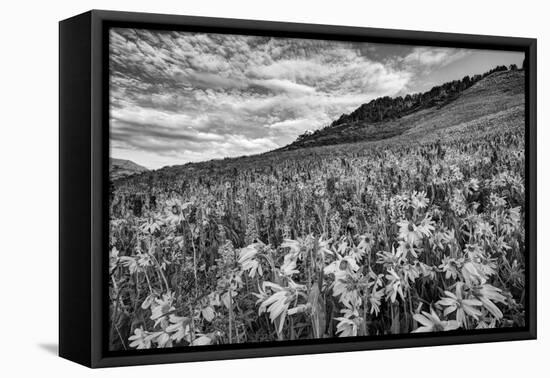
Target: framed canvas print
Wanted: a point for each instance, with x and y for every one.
(233, 188)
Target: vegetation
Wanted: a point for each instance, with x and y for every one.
(387, 117)
(423, 232)
(390, 108)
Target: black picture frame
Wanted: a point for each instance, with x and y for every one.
(83, 182)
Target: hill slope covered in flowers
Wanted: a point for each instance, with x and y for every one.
(420, 232)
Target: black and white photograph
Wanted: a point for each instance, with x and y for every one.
(267, 189)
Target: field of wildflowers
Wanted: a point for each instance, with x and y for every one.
(416, 234)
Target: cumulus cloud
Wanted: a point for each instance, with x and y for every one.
(430, 57)
(178, 96)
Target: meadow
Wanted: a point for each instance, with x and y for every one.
(423, 232)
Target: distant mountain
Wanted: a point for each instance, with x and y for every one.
(121, 168)
(388, 117)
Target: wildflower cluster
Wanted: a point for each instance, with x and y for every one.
(334, 242)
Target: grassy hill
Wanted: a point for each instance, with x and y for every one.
(494, 93)
(437, 190)
(495, 102)
(119, 168)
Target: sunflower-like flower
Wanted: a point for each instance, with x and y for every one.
(450, 266)
(419, 200)
(130, 262)
(140, 339)
(374, 299)
(160, 307)
(179, 328)
(431, 323)
(488, 295)
(347, 287)
(413, 233)
(409, 232)
(174, 210)
(346, 327)
(463, 306)
(150, 226)
(248, 261)
(394, 285)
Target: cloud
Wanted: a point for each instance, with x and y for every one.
(179, 96)
(283, 86)
(430, 57)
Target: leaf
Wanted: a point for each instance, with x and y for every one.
(208, 313)
(395, 322)
(202, 340)
(148, 301)
(318, 317)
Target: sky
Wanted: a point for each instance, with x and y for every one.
(178, 97)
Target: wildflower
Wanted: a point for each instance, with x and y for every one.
(180, 327)
(293, 245)
(450, 267)
(130, 263)
(472, 186)
(150, 226)
(456, 302)
(163, 339)
(288, 268)
(113, 259)
(366, 244)
(346, 263)
(161, 307)
(426, 226)
(144, 260)
(412, 233)
(419, 200)
(278, 303)
(394, 286)
(431, 323)
(488, 294)
(346, 327)
(409, 232)
(140, 339)
(458, 203)
(470, 273)
(410, 272)
(174, 210)
(426, 271)
(248, 261)
(484, 230)
(393, 258)
(347, 287)
(277, 306)
(497, 201)
(407, 249)
(443, 239)
(374, 299)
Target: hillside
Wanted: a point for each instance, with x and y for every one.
(444, 106)
(448, 190)
(494, 102)
(121, 168)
